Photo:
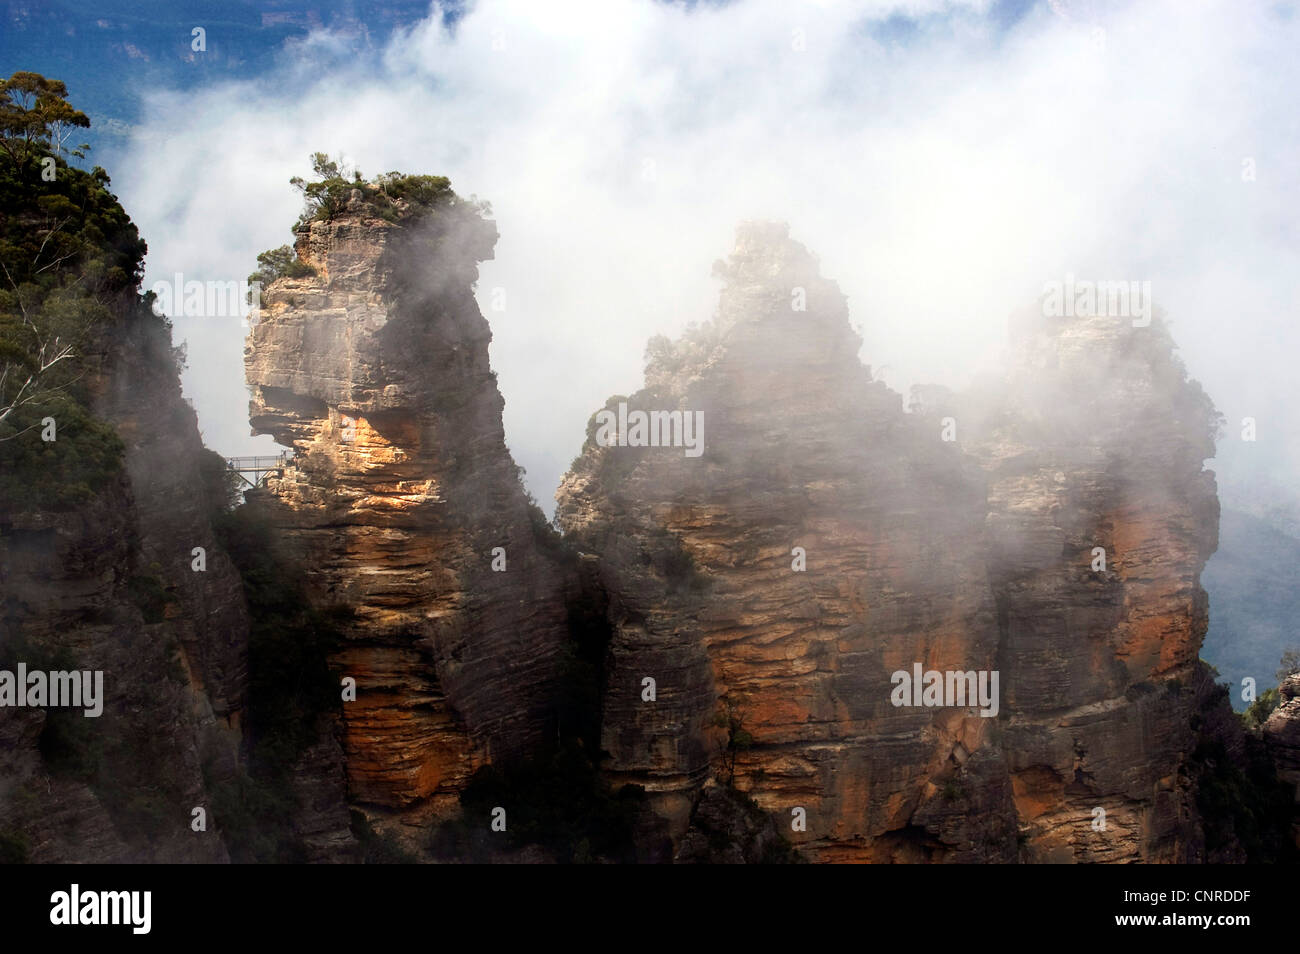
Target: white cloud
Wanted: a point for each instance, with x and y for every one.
(941, 177)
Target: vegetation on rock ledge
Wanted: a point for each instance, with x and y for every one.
(393, 196)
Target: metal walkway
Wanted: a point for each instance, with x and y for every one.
(253, 471)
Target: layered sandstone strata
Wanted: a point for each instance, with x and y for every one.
(403, 504)
(1100, 520)
(826, 539)
(806, 458)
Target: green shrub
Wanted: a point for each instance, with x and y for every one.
(277, 262)
(59, 475)
(255, 818)
(378, 848)
(14, 848)
(221, 485)
(149, 594)
(559, 804)
(1257, 712)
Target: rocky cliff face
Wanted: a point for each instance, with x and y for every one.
(110, 586)
(807, 462)
(1100, 520)
(403, 504)
(825, 540)
(1282, 744)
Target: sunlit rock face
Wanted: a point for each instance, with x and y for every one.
(401, 498)
(825, 539)
(802, 449)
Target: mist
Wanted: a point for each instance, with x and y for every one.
(945, 161)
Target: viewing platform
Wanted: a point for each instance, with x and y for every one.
(253, 471)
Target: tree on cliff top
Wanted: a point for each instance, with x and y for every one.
(35, 116)
(329, 193)
(392, 195)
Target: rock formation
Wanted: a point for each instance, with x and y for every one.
(1100, 520)
(802, 449)
(404, 506)
(1282, 742)
(959, 536)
